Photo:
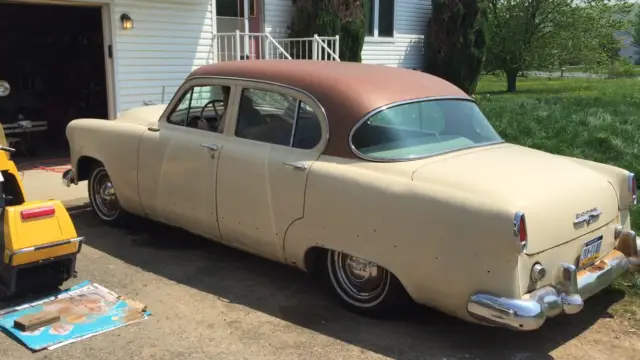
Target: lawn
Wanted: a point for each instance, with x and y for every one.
(594, 119)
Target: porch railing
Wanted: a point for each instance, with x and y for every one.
(253, 46)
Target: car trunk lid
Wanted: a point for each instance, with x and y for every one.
(551, 191)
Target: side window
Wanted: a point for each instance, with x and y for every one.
(201, 107)
(269, 117)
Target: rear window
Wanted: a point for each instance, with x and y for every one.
(423, 128)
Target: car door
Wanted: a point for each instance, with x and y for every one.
(262, 172)
(178, 158)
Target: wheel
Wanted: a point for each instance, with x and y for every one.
(364, 287)
(103, 198)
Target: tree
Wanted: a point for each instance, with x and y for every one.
(545, 34)
(455, 42)
(329, 18)
(635, 27)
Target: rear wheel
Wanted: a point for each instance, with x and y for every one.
(103, 197)
(363, 286)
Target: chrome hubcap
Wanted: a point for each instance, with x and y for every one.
(104, 196)
(361, 279)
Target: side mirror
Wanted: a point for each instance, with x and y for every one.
(5, 88)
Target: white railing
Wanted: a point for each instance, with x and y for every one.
(253, 46)
(316, 48)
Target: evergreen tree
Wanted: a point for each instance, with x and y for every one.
(455, 42)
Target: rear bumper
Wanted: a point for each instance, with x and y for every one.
(566, 295)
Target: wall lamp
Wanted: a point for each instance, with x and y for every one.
(127, 21)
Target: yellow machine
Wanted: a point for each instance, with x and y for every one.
(39, 243)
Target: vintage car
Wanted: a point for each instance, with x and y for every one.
(390, 182)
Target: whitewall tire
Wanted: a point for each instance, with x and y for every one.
(103, 198)
(363, 286)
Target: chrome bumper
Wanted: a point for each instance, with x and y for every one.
(67, 178)
(566, 295)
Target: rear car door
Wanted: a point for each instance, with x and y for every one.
(262, 173)
(178, 158)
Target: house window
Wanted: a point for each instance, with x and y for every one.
(234, 8)
(379, 17)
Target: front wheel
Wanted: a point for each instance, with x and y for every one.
(363, 286)
(103, 198)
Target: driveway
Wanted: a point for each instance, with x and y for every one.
(213, 302)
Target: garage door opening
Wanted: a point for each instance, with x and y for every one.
(53, 59)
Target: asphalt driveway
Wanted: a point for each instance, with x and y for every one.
(213, 302)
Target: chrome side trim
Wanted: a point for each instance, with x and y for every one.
(385, 107)
(12, 254)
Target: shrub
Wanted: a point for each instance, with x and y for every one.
(455, 42)
(621, 68)
(329, 18)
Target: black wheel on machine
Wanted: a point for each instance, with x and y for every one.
(363, 286)
(103, 197)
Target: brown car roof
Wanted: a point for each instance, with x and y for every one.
(346, 90)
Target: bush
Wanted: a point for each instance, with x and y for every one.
(455, 42)
(329, 18)
(621, 68)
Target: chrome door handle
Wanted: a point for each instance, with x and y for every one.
(214, 147)
(296, 166)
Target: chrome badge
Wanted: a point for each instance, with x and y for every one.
(588, 216)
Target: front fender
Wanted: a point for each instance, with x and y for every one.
(442, 244)
(115, 145)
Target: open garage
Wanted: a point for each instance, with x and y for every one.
(53, 60)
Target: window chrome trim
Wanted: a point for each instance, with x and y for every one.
(404, 102)
(295, 123)
(273, 83)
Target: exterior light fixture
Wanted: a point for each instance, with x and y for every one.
(127, 21)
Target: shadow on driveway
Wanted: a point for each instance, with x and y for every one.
(289, 294)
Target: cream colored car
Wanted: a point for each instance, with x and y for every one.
(390, 182)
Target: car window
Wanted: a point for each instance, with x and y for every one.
(418, 129)
(187, 113)
(269, 117)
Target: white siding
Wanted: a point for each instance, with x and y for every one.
(404, 50)
(277, 17)
(170, 38)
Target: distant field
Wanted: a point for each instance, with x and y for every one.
(582, 69)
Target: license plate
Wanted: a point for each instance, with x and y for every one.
(590, 251)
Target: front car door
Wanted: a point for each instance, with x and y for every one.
(262, 173)
(179, 158)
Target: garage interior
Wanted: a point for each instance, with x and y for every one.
(52, 56)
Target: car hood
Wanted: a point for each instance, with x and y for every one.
(549, 189)
(143, 115)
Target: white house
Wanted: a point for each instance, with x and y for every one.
(628, 50)
(113, 55)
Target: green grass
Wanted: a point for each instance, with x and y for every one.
(594, 119)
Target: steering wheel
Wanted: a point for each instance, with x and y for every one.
(212, 102)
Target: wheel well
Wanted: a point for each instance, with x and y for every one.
(315, 263)
(84, 167)
(315, 260)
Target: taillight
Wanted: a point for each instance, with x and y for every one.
(633, 188)
(38, 212)
(520, 229)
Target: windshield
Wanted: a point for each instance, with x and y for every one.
(422, 128)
